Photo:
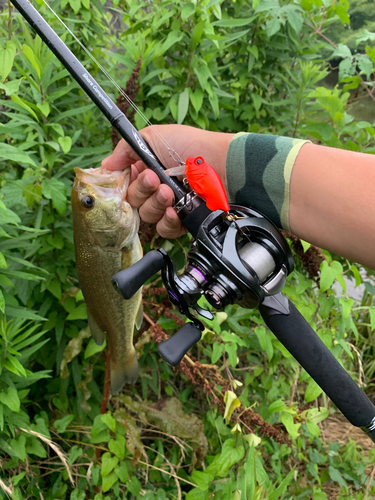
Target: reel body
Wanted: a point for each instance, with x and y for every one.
(238, 257)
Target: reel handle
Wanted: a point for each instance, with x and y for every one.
(128, 281)
(294, 332)
(175, 348)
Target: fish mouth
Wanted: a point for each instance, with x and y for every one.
(106, 183)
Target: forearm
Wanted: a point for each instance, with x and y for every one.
(332, 202)
(323, 195)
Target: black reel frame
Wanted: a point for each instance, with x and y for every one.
(237, 257)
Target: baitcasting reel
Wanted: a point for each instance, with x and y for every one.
(238, 257)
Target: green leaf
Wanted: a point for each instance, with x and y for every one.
(217, 351)
(75, 452)
(312, 391)
(328, 273)
(183, 105)
(29, 53)
(288, 420)
(17, 99)
(75, 5)
(267, 6)
(294, 18)
(342, 51)
(77, 494)
(55, 190)
(12, 153)
(13, 365)
(11, 87)
(44, 108)
(22, 312)
(2, 302)
(365, 65)
(234, 23)
(278, 405)
(118, 446)
(196, 35)
(35, 448)
(65, 143)
(10, 399)
(55, 288)
(347, 305)
(122, 472)
(62, 423)
(305, 245)
(109, 421)
(133, 485)
(272, 26)
(92, 348)
(231, 349)
(7, 55)
(108, 463)
(313, 428)
(80, 312)
(336, 476)
(187, 11)
(196, 494)
(19, 446)
(357, 275)
(173, 38)
(202, 479)
(280, 490)
(265, 341)
(372, 317)
(3, 262)
(109, 481)
(196, 99)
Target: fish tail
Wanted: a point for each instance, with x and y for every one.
(124, 371)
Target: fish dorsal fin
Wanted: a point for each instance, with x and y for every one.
(96, 331)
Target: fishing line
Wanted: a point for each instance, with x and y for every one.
(174, 155)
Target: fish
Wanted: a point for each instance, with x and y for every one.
(106, 241)
(204, 180)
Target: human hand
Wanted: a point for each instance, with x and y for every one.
(153, 199)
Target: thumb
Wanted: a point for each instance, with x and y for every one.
(122, 157)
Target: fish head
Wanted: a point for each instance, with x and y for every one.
(100, 207)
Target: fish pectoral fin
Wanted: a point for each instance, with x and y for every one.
(96, 331)
(124, 371)
(139, 317)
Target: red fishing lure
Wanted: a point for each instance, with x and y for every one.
(205, 181)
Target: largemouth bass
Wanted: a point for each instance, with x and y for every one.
(106, 241)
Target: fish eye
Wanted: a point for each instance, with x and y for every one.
(198, 160)
(88, 201)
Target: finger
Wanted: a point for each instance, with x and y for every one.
(142, 188)
(123, 156)
(154, 207)
(136, 169)
(170, 225)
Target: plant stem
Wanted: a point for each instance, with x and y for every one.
(10, 21)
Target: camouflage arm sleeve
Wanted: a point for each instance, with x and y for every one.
(258, 171)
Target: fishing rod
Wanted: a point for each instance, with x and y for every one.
(192, 213)
(238, 256)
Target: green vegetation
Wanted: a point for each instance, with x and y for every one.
(239, 420)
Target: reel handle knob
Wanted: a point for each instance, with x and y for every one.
(129, 281)
(175, 348)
